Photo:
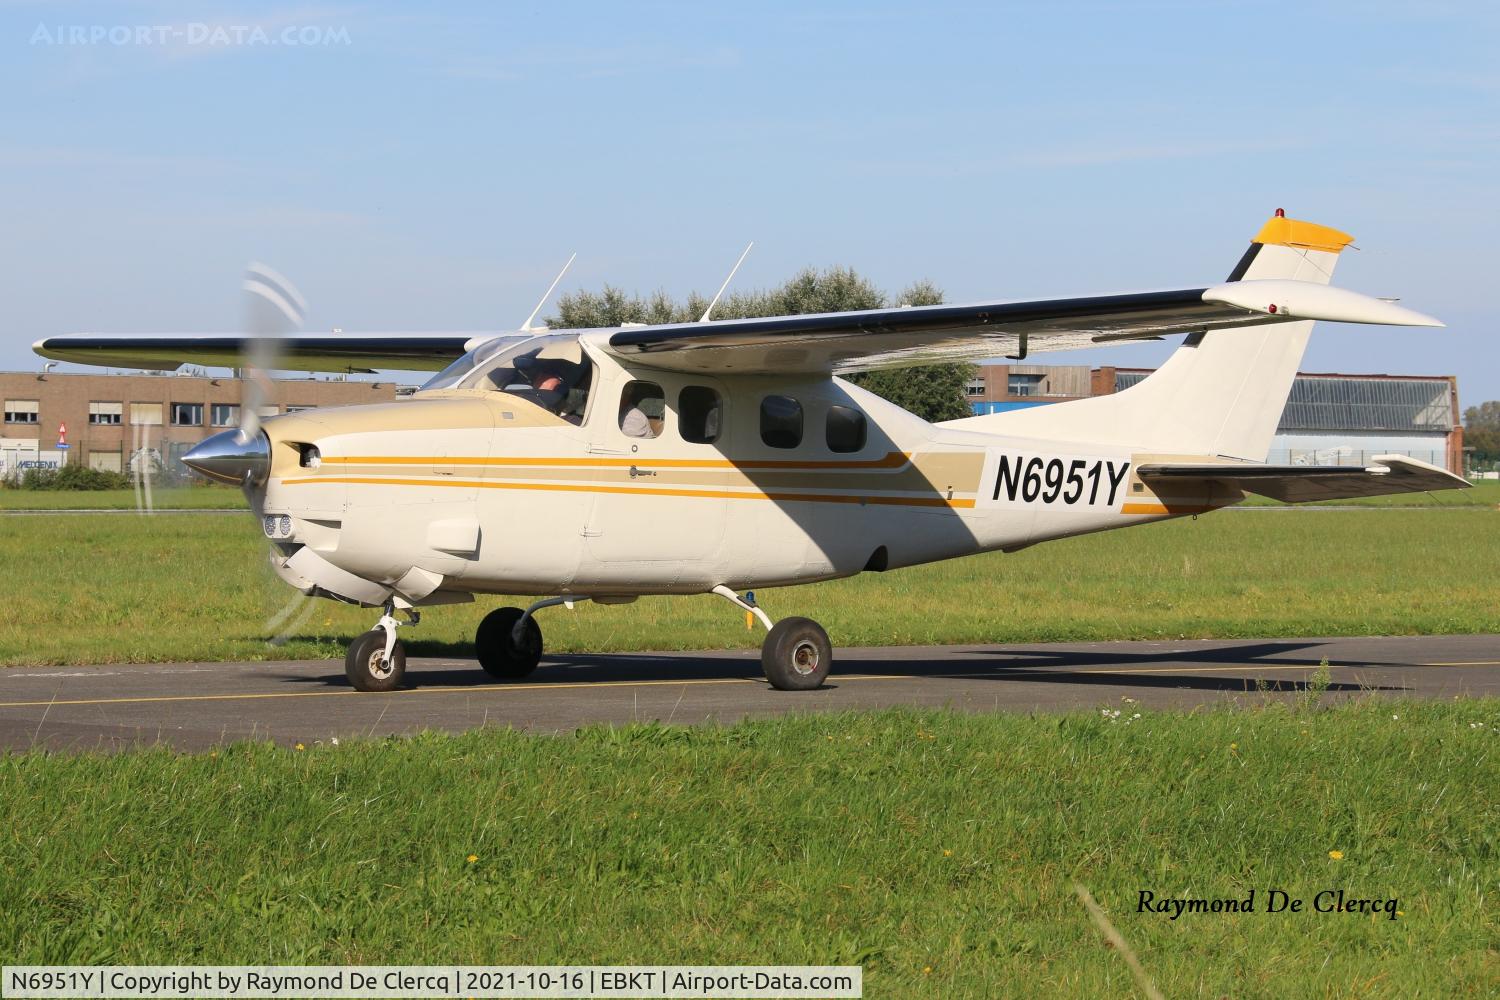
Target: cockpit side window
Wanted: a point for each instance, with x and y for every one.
(551, 371)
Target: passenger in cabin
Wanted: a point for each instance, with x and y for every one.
(634, 422)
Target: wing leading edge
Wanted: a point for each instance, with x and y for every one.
(299, 352)
(1389, 474)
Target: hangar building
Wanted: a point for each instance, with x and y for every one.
(1330, 419)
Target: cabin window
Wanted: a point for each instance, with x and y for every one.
(781, 421)
(643, 407)
(700, 413)
(846, 429)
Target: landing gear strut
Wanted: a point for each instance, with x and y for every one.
(376, 660)
(796, 654)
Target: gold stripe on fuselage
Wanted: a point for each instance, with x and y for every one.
(892, 460)
(491, 484)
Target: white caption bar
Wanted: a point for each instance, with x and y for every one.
(477, 981)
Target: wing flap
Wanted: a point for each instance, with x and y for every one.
(1389, 474)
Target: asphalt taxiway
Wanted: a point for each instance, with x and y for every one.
(195, 705)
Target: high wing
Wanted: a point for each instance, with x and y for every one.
(297, 352)
(1302, 483)
(881, 338)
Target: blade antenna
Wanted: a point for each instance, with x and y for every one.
(732, 270)
(526, 326)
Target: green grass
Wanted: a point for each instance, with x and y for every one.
(185, 587)
(900, 841)
(163, 498)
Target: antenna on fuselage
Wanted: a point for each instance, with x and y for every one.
(704, 317)
(526, 326)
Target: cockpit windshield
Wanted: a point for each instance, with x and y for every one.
(550, 370)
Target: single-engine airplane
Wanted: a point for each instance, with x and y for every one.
(718, 456)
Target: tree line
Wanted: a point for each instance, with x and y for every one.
(932, 392)
(1482, 432)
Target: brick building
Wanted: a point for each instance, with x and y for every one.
(115, 420)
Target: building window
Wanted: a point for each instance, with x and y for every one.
(781, 421)
(1023, 385)
(104, 461)
(846, 429)
(187, 414)
(22, 411)
(643, 406)
(975, 387)
(106, 413)
(225, 415)
(145, 414)
(699, 414)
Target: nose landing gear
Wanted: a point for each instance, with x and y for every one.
(376, 660)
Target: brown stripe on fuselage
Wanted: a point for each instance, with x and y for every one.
(941, 474)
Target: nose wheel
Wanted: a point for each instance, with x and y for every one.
(376, 661)
(370, 666)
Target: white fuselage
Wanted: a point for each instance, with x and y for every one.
(459, 492)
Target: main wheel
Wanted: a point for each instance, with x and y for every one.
(796, 655)
(366, 665)
(499, 653)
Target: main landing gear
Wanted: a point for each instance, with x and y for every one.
(796, 654)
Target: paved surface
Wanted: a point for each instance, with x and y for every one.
(193, 705)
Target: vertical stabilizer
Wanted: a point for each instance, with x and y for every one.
(1220, 393)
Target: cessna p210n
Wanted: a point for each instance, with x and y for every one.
(712, 457)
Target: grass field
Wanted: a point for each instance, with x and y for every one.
(938, 850)
(172, 587)
(162, 497)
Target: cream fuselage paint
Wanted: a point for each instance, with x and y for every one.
(470, 491)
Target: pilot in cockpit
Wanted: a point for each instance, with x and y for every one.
(557, 386)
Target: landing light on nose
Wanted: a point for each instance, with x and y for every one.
(230, 457)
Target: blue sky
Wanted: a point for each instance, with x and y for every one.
(431, 167)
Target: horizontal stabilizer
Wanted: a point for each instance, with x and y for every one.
(1304, 483)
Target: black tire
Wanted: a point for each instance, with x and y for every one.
(796, 655)
(499, 654)
(365, 664)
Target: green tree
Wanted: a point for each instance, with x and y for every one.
(1482, 431)
(932, 392)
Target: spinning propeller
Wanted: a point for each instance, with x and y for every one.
(273, 310)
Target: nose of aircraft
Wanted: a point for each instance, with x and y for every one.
(231, 457)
